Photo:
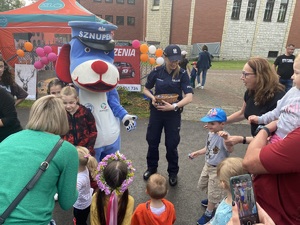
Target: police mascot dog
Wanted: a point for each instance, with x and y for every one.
(87, 61)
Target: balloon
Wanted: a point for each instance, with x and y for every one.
(144, 57)
(38, 65)
(152, 49)
(152, 61)
(47, 49)
(144, 48)
(44, 60)
(160, 61)
(159, 52)
(136, 43)
(20, 53)
(40, 52)
(28, 46)
(52, 57)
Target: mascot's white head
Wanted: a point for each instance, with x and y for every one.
(87, 61)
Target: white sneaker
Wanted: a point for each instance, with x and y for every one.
(198, 86)
(202, 87)
(56, 197)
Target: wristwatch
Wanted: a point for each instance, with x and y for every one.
(175, 106)
(264, 128)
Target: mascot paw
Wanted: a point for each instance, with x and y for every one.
(129, 122)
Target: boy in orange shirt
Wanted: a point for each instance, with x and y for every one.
(156, 211)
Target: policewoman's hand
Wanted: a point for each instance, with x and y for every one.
(165, 106)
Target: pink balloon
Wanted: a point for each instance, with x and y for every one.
(44, 60)
(136, 43)
(47, 49)
(38, 65)
(40, 52)
(52, 57)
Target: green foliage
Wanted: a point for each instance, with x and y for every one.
(26, 104)
(6, 5)
(134, 103)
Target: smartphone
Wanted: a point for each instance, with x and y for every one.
(243, 195)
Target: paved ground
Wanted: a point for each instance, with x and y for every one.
(223, 89)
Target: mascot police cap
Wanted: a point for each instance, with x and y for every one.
(94, 35)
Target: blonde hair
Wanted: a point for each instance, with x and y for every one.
(267, 82)
(157, 186)
(48, 114)
(229, 167)
(297, 59)
(68, 90)
(85, 159)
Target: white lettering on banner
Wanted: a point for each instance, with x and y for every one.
(94, 36)
(124, 52)
(130, 87)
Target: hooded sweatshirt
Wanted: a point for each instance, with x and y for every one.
(144, 216)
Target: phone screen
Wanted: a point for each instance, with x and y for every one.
(243, 194)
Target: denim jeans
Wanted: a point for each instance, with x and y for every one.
(288, 83)
(203, 76)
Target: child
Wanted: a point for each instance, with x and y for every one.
(112, 204)
(157, 210)
(287, 110)
(193, 74)
(54, 87)
(215, 151)
(229, 167)
(83, 131)
(81, 207)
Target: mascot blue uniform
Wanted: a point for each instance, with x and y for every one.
(87, 61)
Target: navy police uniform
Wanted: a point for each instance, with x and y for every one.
(165, 83)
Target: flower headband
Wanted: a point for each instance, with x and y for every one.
(103, 186)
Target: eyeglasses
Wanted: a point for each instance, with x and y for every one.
(244, 74)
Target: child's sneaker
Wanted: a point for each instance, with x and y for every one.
(204, 202)
(204, 219)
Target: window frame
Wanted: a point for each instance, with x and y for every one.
(128, 23)
(282, 11)
(122, 19)
(109, 16)
(131, 2)
(97, 0)
(236, 9)
(269, 10)
(251, 10)
(108, 1)
(120, 1)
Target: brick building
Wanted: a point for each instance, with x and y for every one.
(238, 28)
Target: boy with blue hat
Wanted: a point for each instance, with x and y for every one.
(215, 151)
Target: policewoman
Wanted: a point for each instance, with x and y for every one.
(166, 79)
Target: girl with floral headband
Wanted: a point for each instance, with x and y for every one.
(112, 204)
(81, 208)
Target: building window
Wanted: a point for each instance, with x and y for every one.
(130, 21)
(109, 1)
(282, 10)
(120, 1)
(236, 9)
(269, 10)
(99, 15)
(109, 18)
(155, 2)
(97, 0)
(251, 10)
(131, 2)
(120, 20)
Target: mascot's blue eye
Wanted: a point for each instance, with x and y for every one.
(106, 53)
(87, 49)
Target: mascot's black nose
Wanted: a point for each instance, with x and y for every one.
(99, 67)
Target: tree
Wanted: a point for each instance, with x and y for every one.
(6, 5)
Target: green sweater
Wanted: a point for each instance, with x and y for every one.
(20, 156)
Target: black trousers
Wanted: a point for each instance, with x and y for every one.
(169, 121)
(81, 215)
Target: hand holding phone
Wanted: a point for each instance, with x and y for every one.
(243, 194)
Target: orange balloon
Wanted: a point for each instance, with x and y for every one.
(152, 61)
(144, 48)
(20, 53)
(28, 46)
(144, 57)
(159, 52)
